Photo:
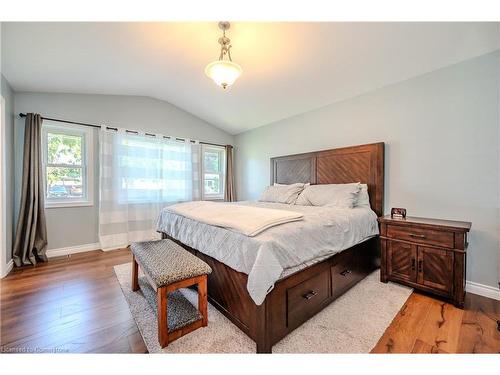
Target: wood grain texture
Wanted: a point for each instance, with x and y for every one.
(161, 301)
(165, 335)
(305, 296)
(275, 318)
(227, 292)
(295, 168)
(424, 222)
(427, 325)
(69, 304)
(436, 266)
(135, 274)
(364, 163)
(426, 254)
(203, 300)
(425, 236)
(79, 307)
(402, 261)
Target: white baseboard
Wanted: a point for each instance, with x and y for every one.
(72, 250)
(482, 290)
(8, 267)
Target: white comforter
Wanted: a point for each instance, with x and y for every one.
(248, 220)
(279, 250)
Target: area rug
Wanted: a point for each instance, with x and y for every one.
(351, 324)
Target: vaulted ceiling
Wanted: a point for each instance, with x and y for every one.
(288, 68)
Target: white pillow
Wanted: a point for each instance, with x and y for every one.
(282, 193)
(363, 197)
(302, 198)
(335, 195)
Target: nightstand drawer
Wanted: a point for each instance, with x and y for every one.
(420, 235)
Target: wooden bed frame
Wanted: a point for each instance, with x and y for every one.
(303, 294)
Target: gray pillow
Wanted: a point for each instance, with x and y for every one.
(282, 193)
(334, 195)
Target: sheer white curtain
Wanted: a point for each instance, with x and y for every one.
(139, 175)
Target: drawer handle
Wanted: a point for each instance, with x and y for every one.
(345, 272)
(417, 235)
(420, 266)
(310, 295)
(413, 264)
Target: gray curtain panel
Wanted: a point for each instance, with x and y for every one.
(31, 233)
(230, 193)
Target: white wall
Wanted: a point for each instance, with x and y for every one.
(442, 149)
(79, 226)
(8, 95)
(8, 162)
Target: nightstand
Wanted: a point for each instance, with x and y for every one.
(426, 254)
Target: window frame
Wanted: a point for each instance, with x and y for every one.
(222, 174)
(87, 164)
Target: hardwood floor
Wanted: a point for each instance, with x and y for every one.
(75, 304)
(70, 304)
(428, 325)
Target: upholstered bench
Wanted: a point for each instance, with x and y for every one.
(168, 267)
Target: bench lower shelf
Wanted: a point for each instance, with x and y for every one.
(181, 312)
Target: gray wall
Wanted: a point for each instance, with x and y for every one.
(9, 162)
(442, 149)
(79, 226)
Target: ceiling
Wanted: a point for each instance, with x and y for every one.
(288, 68)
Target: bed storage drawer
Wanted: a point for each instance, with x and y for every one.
(307, 296)
(344, 272)
(421, 235)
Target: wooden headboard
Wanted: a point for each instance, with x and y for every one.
(364, 163)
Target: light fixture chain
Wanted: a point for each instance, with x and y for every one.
(224, 71)
(225, 43)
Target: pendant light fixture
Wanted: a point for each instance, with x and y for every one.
(224, 71)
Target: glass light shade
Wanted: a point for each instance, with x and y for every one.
(223, 73)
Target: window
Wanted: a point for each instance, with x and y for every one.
(213, 171)
(67, 165)
(151, 170)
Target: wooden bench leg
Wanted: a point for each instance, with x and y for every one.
(202, 300)
(162, 316)
(135, 275)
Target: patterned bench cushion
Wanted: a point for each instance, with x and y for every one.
(165, 262)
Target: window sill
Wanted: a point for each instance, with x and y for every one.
(68, 204)
(213, 198)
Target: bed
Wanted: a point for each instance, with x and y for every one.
(271, 283)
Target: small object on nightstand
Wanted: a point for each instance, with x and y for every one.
(398, 213)
(426, 254)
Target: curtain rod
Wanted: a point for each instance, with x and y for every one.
(111, 128)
